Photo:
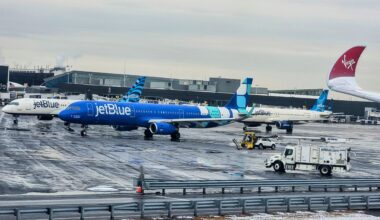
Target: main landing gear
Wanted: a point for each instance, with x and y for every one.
(175, 136)
(83, 132)
(268, 128)
(289, 130)
(148, 135)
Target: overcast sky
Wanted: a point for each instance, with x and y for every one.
(282, 44)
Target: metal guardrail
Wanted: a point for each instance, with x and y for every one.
(196, 207)
(309, 185)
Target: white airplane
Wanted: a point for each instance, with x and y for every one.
(47, 109)
(44, 109)
(285, 118)
(342, 76)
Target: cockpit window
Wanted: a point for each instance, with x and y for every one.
(75, 108)
(14, 103)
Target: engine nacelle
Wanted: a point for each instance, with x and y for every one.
(124, 127)
(162, 128)
(284, 125)
(45, 117)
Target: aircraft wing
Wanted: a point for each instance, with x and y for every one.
(187, 120)
(242, 116)
(295, 121)
(195, 122)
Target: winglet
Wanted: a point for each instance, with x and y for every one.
(345, 66)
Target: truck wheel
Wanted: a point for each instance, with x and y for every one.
(261, 146)
(278, 166)
(273, 146)
(325, 170)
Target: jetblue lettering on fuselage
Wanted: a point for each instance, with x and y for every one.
(261, 112)
(45, 104)
(112, 109)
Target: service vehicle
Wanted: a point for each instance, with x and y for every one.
(264, 143)
(251, 140)
(326, 159)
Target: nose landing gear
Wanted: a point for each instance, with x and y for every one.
(15, 119)
(83, 132)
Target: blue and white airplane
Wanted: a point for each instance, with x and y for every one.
(47, 109)
(285, 118)
(161, 119)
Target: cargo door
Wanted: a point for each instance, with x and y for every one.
(315, 155)
(325, 156)
(305, 154)
(340, 157)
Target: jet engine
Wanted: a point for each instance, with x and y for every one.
(284, 125)
(124, 127)
(45, 117)
(162, 128)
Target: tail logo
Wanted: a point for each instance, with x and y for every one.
(348, 64)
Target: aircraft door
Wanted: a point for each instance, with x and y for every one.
(181, 113)
(90, 109)
(132, 115)
(28, 105)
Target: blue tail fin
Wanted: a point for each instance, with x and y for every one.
(239, 100)
(320, 104)
(135, 91)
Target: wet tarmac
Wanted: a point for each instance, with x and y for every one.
(43, 157)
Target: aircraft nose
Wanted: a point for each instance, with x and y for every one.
(64, 115)
(5, 109)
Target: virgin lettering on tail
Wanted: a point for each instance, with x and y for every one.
(342, 75)
(348, 64)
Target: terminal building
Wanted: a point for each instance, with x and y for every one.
(215, 91)
(96, 80)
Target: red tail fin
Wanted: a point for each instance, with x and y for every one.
(346, 64)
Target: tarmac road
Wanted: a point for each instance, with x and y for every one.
(43, 157)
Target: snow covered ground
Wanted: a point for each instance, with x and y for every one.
(41, 156)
